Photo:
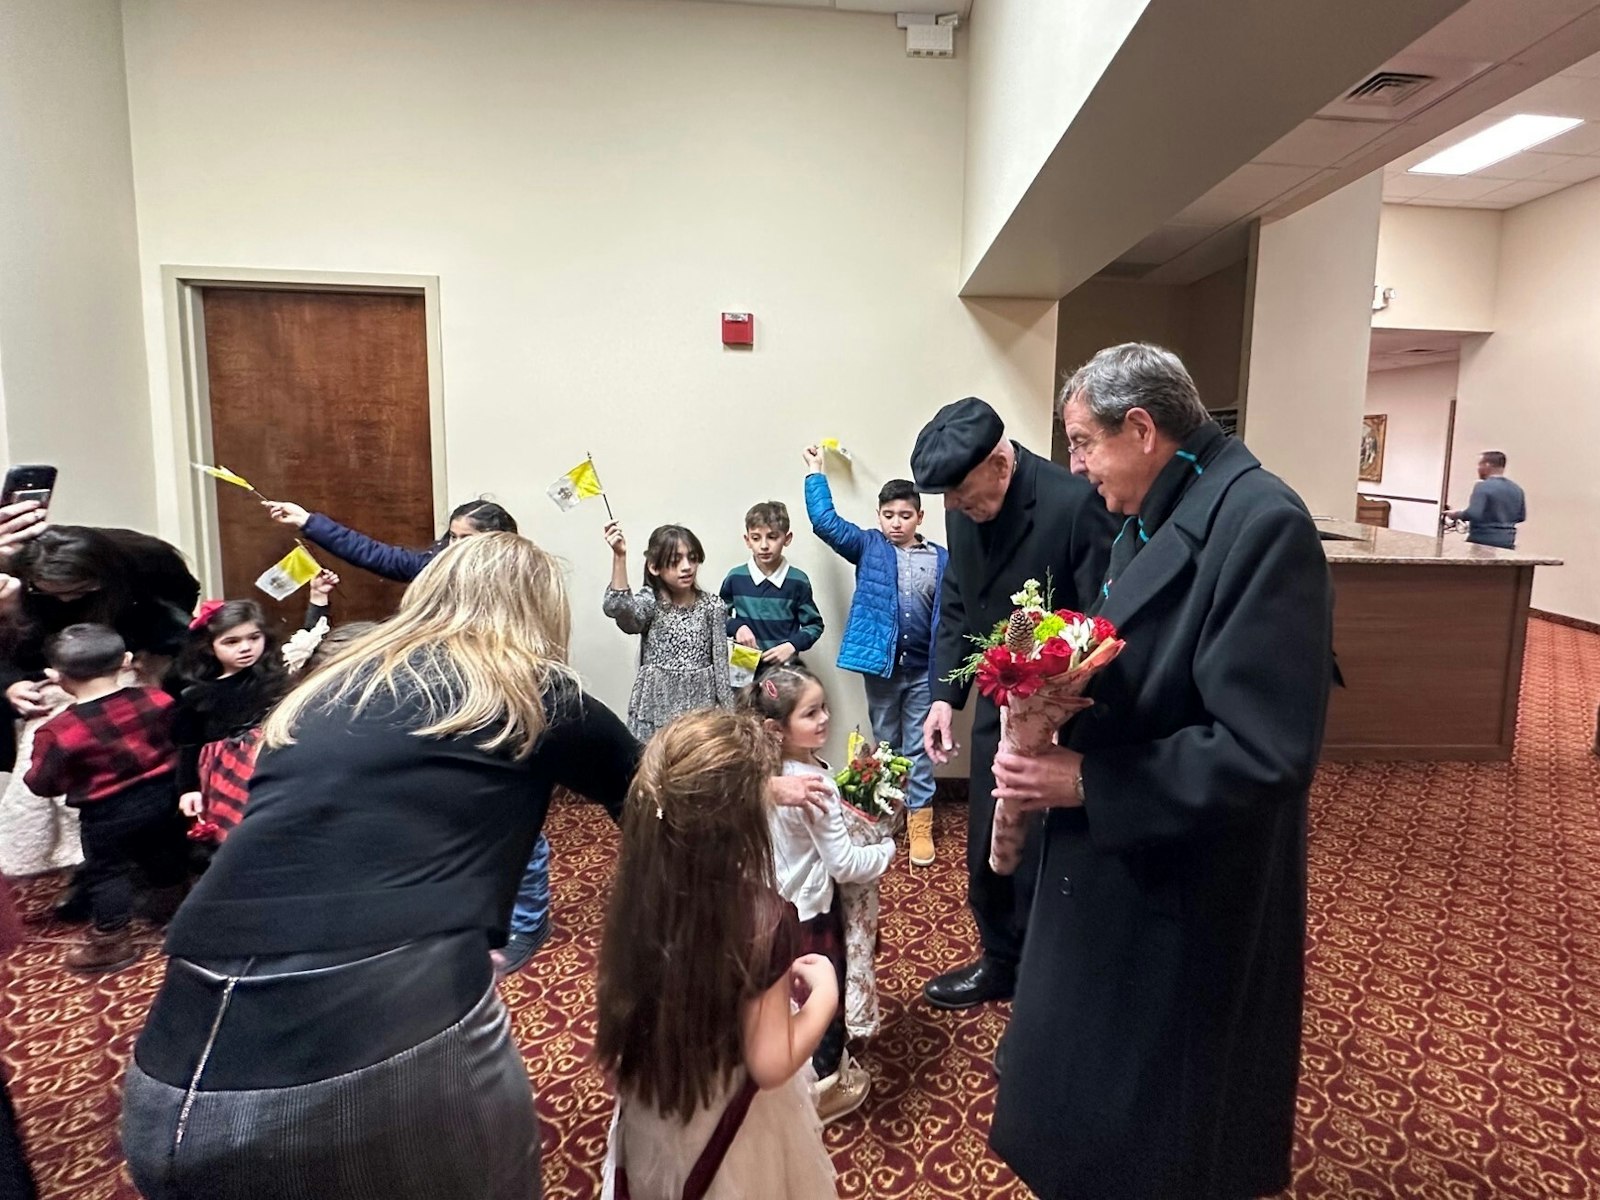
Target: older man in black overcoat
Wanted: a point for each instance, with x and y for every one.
(1155, 1042)
(1010, 516)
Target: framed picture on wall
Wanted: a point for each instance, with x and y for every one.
(1374, 427)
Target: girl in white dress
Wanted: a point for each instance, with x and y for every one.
(708, 1015)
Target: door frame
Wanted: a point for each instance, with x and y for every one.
(190, 390)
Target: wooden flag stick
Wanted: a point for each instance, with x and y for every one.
(610, 516)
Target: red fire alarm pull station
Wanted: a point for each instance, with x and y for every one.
(738, 329)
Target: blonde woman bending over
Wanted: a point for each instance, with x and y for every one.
(328, 1025)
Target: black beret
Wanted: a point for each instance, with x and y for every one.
(960, 436)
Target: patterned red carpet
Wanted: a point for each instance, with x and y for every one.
(1452, 1045)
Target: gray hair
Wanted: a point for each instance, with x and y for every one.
(1138, 375)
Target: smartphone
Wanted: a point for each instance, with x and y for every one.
(29, 483)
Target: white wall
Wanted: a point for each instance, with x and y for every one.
(1417, 402)
(1310, 335)
(1032, 67)
(594, 181)
(1443, 265)
(1530, 390)
(72, 367)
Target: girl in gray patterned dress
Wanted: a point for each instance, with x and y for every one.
(684, 661)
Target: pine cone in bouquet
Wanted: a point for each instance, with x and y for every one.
(1019, 632)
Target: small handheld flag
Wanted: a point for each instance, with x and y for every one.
(289, 574)
(742, 663)
(854, 745)
(832, 445)
(225, 475)
(577, 485)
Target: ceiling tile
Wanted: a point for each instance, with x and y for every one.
(1319, 143)
(1565, 169)
(1464, 187)
(1561, 96)
(1588, 68)
(1520, 193)
(1408, 187)
(1496, 31)
(1247, 189)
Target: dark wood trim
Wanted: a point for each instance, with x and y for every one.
(1519, 639)
(1384, 496)
(1562, 619)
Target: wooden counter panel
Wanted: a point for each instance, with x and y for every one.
(1432, 661)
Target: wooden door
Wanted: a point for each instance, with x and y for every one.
(320, 398)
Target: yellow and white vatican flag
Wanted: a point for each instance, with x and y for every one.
(742, 664)
(832, 446)
(577, 485)
(289, 574)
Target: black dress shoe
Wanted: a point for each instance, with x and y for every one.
(73, 908)
(983, 980)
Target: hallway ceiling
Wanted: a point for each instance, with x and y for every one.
(1501, 49)
(1559, 163)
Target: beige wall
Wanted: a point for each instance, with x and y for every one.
(1310, 334)
(1442, 264)
(72, 367)
(1032, 66)
(593, 182)
(1530, 390)
(1417, 402)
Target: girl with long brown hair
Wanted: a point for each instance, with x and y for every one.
(328, 1025)
(710, 1059)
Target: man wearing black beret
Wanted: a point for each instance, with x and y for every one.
(1010, 516)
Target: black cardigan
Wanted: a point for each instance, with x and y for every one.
(362, 834)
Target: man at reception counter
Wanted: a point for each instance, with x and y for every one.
(1497, 506)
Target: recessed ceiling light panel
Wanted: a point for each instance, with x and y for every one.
(1495, 144)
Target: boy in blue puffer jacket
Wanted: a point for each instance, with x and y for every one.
(888, 637)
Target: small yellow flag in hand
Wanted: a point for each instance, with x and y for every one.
(289, 574)
(832, 446)
(225, 475)
(577, 485)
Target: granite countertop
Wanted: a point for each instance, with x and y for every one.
(1348, 542)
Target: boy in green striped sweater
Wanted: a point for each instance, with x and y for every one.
(770, 606)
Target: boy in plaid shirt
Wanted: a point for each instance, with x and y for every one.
(111, 754)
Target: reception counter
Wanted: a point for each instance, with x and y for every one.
(1429, 636)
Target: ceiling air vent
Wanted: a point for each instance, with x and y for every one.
(1387, 89)
(1403, 87)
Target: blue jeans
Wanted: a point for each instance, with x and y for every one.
(897, 707)
(533, 894)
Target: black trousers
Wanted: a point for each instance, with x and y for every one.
(999, 903)
(137, 829)
(16, 1181)
(824, 935)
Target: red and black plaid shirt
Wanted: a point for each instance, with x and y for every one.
(97, 749)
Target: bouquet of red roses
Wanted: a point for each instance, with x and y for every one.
(1035, 666)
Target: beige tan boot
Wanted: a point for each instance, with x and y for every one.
(103, 951)
(919, 832)
(841, 1093)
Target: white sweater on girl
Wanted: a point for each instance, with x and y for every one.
(811, 850)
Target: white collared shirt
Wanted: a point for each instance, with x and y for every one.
(776, 579)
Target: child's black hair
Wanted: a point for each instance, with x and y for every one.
(84, 652)
(775, 692)
(197, 662)
(666, 543)
(900, 489)
(771, 514)
(486, 516)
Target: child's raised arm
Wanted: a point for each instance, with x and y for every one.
(778, 1043)
(631, 613)
(845, 538)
